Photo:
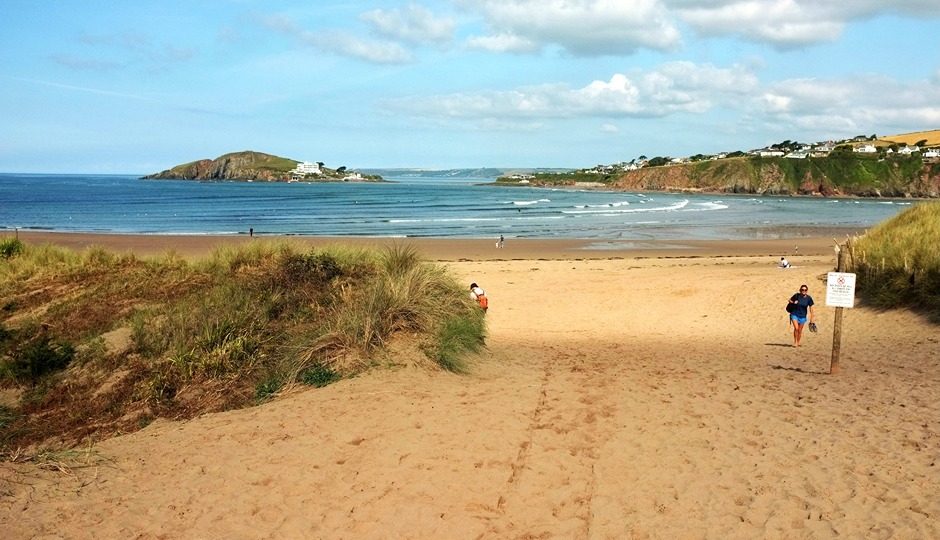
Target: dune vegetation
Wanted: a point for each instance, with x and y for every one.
(898, 262)
(96, 343)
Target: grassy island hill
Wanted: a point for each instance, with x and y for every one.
(254, 166)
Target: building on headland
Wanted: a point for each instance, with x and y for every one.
(303, 169)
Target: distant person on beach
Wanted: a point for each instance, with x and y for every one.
(802, 302)
(501, 240)
(251, 231)
(479, 296)
(784, 263)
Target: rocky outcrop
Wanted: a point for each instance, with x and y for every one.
(247, 165)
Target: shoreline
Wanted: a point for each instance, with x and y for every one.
(815, 242)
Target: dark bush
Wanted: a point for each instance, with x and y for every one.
(36, 359)
(319, 375)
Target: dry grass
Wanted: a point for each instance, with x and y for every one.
(932, 137)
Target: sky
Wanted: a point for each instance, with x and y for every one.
(139, 86)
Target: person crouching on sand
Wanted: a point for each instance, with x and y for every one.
(479, 296)
(802, 302)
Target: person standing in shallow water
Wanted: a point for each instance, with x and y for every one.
(803, 302)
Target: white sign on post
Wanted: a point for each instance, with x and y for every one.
(840, 289)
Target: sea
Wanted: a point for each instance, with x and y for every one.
(410, 207)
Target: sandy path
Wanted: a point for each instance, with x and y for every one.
(654, 398)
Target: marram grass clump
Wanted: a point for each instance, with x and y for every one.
(99, 343)
(898, 262)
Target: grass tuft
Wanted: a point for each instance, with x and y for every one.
(10, 247)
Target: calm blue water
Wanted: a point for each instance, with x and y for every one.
(413, 208)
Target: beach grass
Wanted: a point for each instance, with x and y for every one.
(100, 342)
(898, 262)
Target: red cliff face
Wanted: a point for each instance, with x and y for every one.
(249, 165)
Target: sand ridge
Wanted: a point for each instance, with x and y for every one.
(643, 398)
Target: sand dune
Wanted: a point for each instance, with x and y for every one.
(617, 398)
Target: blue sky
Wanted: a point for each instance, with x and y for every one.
(137, 86)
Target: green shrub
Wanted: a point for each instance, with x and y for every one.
(268, 386)
(35, 359)
(319, 375)
(10, 247)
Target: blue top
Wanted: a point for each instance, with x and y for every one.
(802, 305)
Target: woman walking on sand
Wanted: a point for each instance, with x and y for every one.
(801, 303)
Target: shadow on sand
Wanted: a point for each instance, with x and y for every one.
(800, 370)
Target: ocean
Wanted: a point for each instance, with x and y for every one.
(409, 207)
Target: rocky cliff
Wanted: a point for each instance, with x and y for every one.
(247, 165)
(829, 177)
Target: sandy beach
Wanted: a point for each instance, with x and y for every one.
(626, 391)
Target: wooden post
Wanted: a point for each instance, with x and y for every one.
(837, 324)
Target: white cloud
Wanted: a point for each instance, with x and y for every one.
(852, 104)
(786, 23)
(412, 24)
(339, 42)
(609, 128)
(503, 43)
(671, 88)
(616, 27)
(581, 28)
(348, 44)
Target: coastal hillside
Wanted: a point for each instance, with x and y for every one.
(841, 174)
(247, 165)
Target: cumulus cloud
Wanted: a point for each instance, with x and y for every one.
(339, 42)
(581, 28)
(671, 88)
(785, 23)
(854, 103)
(615, 27)
(412, 24)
